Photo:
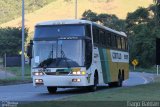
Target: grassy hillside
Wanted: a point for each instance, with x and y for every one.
(59, 9)
(11, 9)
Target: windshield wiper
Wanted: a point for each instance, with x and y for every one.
(49, 60)
(56, 62)
(51, 53)
(64, 56)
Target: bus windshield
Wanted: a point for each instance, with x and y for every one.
(58, 53)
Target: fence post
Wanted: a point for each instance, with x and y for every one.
(5, 65)
(157, 69)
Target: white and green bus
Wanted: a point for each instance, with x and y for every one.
(78, 53)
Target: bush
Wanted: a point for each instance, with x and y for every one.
(11, 40)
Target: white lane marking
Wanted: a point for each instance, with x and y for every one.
(145, 80)
(142, 77)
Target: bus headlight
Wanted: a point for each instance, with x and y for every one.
(38, 73)
(74, 73)
(78, 72)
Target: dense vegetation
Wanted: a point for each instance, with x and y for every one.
(11, 40)
(142, 27)
(11, 9)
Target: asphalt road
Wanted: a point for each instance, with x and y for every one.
(26, 92)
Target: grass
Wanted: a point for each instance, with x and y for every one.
(138, 93)
(10, 10)
(18, 78)
(17, 70)
(74, 104)
(147, 70)
(113, 97)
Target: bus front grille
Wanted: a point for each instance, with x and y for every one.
(56, 73)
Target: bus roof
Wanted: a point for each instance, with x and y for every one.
(75, 21)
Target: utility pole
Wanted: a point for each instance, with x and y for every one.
(22, 55)
(75, 9)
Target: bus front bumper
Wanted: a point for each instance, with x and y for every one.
(60, 81)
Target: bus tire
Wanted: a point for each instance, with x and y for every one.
(117, 83)
(120, 79)
(123, 77)
(94, 87)
(112, 84)
(52, 90)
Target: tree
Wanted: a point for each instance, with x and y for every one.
(89, 15)
(142, 35)
(157, 2)
(111, 21)
(140, 16)
(11, 40)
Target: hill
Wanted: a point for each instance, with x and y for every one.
(11, 9)
(64, 9)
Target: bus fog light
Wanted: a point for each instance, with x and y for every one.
(38, 80)
(76, 80)
(36, 73)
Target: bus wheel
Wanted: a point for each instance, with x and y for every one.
(117, 83)
(112, 84)
(120, 80)
(52, 90)
(94, 87)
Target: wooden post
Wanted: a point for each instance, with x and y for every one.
(157, 70)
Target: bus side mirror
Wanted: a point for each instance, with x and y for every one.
(29, 49)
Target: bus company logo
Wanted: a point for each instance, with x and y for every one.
(116, 55)
(143, 104)
(126, 57)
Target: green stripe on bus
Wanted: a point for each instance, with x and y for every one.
(104, 71)
(106, 64)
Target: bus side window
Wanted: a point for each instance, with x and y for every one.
(108, 39)
(95, 36)
(102, 38)
(119, 42)
(88, 53)
(88, 30)
(126, 44)
(113, 41)
(123, 43)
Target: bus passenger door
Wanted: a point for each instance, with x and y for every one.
(96, 65)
